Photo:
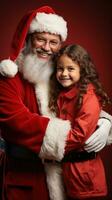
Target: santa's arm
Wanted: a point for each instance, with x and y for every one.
(102, 136)
(57, 129)
(105, 115)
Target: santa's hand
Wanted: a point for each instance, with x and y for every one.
(8, 68)
(98, 139)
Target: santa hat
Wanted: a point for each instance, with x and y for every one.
(43, 19)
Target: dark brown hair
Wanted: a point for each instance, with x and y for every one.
(88, 74)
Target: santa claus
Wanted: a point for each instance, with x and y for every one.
(35, 137)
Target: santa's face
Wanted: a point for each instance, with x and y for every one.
(35, 61)
(45, 44)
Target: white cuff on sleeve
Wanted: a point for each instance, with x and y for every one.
(53, 146)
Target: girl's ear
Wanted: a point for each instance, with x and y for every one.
(8, 68)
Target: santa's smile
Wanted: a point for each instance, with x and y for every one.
(43, 54)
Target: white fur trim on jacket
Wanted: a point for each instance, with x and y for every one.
(42, 93)
(57, 130)
(54, 139)
(51, 23)
(106, 115)
(55, 181)
(8, 68)
(53, 170)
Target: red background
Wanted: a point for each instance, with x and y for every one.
(90, 25)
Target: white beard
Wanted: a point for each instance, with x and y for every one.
(38, 72)
(34, 69)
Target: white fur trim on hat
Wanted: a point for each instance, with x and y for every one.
(8, 68)
(51, 23)
(54, 141)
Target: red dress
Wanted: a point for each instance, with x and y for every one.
(82, 179)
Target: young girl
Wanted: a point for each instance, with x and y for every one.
(77, 95)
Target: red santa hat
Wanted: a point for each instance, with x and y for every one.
(43, 19)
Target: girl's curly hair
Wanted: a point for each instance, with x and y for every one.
(88, 74)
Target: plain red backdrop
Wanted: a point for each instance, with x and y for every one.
(90, 25)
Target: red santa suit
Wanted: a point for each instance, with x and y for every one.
(29, 135)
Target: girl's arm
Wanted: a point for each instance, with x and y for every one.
(85, 123)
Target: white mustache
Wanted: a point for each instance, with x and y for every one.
(38, 50)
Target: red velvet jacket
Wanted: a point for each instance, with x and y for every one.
(87, 178)
(22, 125)
(19, 114)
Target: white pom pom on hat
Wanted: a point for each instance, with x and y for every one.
(8, 68)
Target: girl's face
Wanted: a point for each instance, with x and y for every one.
(68, 71)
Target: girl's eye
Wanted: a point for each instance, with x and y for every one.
(59, 68)
(71, 69)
